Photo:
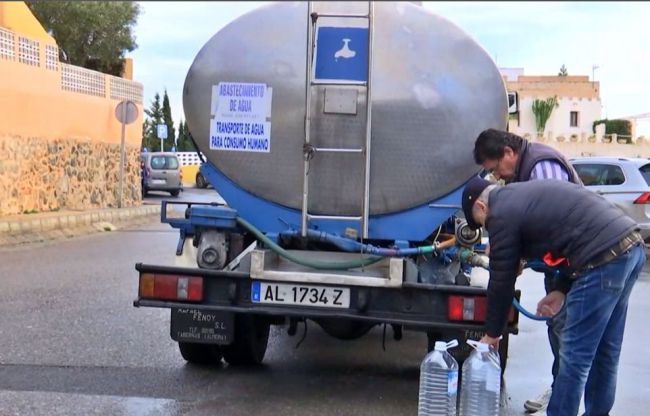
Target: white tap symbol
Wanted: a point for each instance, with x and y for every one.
(345, 51)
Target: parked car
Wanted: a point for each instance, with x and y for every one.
(160, 171)
(624, 181)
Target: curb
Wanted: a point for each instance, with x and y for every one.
(46, 226)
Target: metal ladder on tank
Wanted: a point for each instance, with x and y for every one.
(312, 19)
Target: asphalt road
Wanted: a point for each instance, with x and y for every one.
(71, 343)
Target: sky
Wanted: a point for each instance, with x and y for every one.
(537, 36)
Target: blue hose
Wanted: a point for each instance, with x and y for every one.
(347, 244)
(527, 314)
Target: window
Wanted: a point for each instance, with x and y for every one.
(598, 174)
(645, 172)
(574, 119)
(164, 162)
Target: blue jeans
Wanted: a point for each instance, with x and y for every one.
(596, 308)
(555, 325)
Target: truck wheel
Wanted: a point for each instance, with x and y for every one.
(202, 354)
(251, 339)
(200, 181)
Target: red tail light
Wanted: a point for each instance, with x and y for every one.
(170, 287)
(643, 199)
(470, 308)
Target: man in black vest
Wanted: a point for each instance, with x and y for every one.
(514, 159)
(604, 255)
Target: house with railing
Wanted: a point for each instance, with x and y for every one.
(59, 135)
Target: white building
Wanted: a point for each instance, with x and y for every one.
(578, 99)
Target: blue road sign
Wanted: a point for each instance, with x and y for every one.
(162, 131)
(342, 54)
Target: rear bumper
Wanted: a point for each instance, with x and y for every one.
(419, 306)
(162, 187)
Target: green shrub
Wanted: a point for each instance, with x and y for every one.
(620, 127)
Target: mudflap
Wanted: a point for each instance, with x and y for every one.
(201, 326)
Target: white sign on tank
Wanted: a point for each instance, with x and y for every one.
(240, 112)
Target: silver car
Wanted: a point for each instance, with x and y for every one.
(623, 180)
(161, 171)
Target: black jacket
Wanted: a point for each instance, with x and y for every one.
(531, 153)
(526, 220)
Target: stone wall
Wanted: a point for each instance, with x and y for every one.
(39, 175)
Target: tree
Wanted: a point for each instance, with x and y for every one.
(184, 139)
(542, 110)
(91, 34)
(563, 72)
(154, 114)
(167, 119)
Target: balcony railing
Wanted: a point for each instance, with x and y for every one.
(73, 78)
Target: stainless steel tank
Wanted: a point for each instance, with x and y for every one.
(433, 89)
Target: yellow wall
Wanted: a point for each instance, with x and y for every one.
(32, 99)
(127, 72)
(189, 174)
(16, 16)
(34, 105)
(59, 137)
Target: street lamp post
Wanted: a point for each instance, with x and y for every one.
(593, 71)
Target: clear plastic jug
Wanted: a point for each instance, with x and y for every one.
(438, 382)
(481, 382)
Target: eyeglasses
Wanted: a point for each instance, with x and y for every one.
(495, 167)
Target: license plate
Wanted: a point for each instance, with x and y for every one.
(305, 295)
(206, 327)
(158, 181)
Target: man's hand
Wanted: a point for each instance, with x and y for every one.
(490, 341)
(551, 303)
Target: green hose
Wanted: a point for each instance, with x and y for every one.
(321, 265)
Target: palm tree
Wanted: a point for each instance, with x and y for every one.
(542, 110)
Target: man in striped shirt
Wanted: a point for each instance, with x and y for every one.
(548, 169)
(514, 159)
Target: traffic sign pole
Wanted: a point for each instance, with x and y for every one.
(121, 185)
(126, 112)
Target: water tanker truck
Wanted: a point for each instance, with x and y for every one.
(339, 135)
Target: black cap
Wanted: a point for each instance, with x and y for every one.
(472, 191)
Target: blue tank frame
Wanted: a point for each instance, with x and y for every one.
(414, 224)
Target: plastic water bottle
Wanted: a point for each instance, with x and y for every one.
(438, 382)
(481, 382)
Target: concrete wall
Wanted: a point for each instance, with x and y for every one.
(591, 146)
(59, 137)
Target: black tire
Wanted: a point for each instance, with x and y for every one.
(175, 192)
(200, 181)
(200, 354)
(251, 340)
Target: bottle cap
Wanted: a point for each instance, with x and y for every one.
(440, 346)
(479, 346)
